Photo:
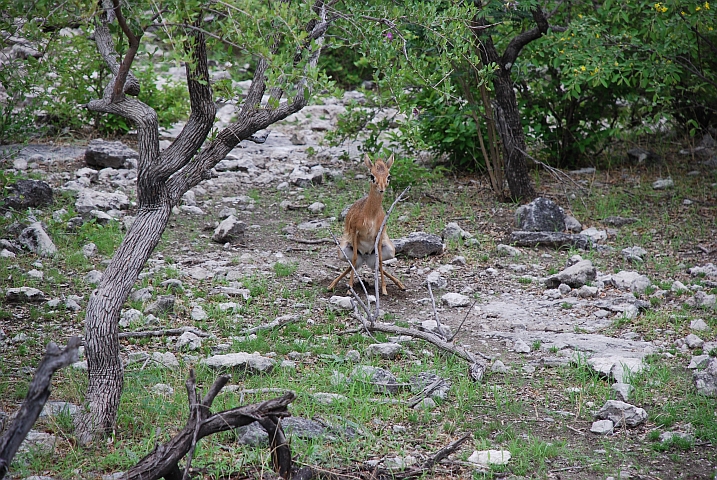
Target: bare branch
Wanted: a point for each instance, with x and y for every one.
(164, 459)
(521, 40)
(37, 395)
(121, 75)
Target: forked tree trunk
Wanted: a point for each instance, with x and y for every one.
(507, 113)
(162, 179)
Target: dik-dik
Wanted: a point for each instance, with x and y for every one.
(361, 227)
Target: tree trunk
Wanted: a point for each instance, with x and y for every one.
(507, 114)
(162, 179)
(511, 132)
(101, 320)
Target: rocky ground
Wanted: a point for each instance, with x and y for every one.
(635, 298)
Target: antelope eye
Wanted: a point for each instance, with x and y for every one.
(388, 178)
(373, 179)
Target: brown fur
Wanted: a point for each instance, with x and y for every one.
(362, 224)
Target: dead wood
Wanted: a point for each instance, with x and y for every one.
(37, 395)
(317, 241)
(163, 461)
(377, 473)
(172, 332)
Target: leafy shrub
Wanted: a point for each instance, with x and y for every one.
(447, 127)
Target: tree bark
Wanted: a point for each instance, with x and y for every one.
(507, 113)
(162, 179)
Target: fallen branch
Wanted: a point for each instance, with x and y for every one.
(37, 395)
(172, 332)
(318, 241)
(427, 336)
(445, 451)
(378, 473)
(278, 322)
(163, 461)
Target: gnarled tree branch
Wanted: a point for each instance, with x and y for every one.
(37, 396)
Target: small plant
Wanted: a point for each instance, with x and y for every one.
(713, 352)
(566, 305)
(554, 349)
(536, 345)
(282, 269)
(525, 280)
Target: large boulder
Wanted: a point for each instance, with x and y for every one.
(35, 239)
(229, 230)
(109, 154)
(419, 244)
(88, 200)
(28, 193)
(540, 215)
(576, 275)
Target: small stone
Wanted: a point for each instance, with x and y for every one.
(587, 292)
(499, 367)
(669, 436)
(89, 250)
(564, 289)
(93, 277)
(387, 351)
(198, 314)
(663, 183)
(490, 457)
(162, 389)
(316, 207)
(455, 300)
(426, 404)
(507, 250)
(698, 361)
(167, 360)
(699, 325)
(693, 341)
(24, 295)
(602, 427)
(189, 341)
(521, 347)
(622, 391)
(341, 303)
(622, 413)
(241, 361)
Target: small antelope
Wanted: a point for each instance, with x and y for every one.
(361, 227)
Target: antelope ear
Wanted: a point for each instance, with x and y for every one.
(367, 161)
(389, 162)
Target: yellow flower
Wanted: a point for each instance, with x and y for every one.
(597, 35)
(617, 64)
(683, 13)
(707, 5)
(561, 51)
(580, 15)
(698, 8)
(583, 68)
